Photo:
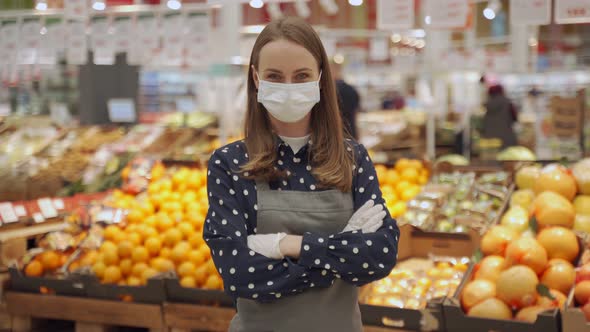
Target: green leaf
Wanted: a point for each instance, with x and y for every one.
(533, 225)
(477, 256)
(544, 291)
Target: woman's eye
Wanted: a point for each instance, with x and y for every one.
(302, 76)
(273, 77)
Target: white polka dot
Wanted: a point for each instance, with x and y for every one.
(256, 207)
(213, 214)
(373, 196)
(327, 266)
(208, 172)
(348, 149)
(284, 183)
(317, 261)
(312, 285)
(308, 168)
(217, 181)
(224, 222)
(367, 158)
(371, 273)
(365, 265)
(255, 296)
(252, 253)
(238, 233)
(270, 267)
(344, 242)
(282, 153)
(270, 283)
(246, 215)
(234, 252)
(250, 286)
(278, 295)
(235, 212)
(280, 162)
(355, 250)
(246, 173)
(217, 161)
(371, 178)
(220, 271)
(306, 247)
(381, 265)
(220, 253)
(220, 202)
(324, 272)
(235, 177)
(360, 169)
(320, 240)
(235, 161)
(285, 264)
(232, 271)
(385, 250)
(232, 288)
(369, 243)
(288, 173)
(312, 187)
(210, 194)
(331, 236)
(296, 160)
(245, 192)
(301, 180)
(361, 190)
(332, 247)
(251, 269)
(353, 167)
(232, 192)
(338, 276)
(342, 260)
(355, 279)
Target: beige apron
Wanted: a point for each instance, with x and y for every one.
(327, 309)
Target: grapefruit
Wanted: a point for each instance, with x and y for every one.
(529, 314)
(517, 286)
(582, 223)
(523, 198)
(527, 251)
(558, 179)
(582, 205)
(526, 176)
(34, 269)
(490, 268)
(581, 171)
(582, 292)
(491, 308)
(516, 218)
(496, 239)
(477, 291)
(559, 242)
(551, 209)
(560, 275)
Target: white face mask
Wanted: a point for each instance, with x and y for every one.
(289, 102)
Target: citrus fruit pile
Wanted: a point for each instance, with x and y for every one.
(401, 183)
(45, 263)
(162, 232)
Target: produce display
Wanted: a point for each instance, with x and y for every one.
(413, 282)
(401, 183)
(452, 202)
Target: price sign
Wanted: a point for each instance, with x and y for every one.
(395, 14)
(47, 208)
(20, 211)
(447, 14)
(123, 33)
(103, 41)
(197, 39)
(146, 40)
(52, 41)
(76, 8)
(122, 110)
(38, 218)
(7, 213)
(530, 12)
(572, 11)
(567, 116)
(59, 204)
(173, 37)
(9, 36)
(77, 45)
(30, 34)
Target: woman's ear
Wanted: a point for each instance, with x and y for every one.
(255, 77)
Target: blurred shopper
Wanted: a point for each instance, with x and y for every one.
(393, 100)
(348, 100)
(500, 117)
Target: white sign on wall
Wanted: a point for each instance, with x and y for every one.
(146, 40)
(9, 35)
(446, 14)
(123, 33)
(77, 44)
(172, 40)
(30, 40)
(197, 39)
(572, 11)
(103, 41)
(52, 42)
(76, 8)
(530, 12)
(395, 14)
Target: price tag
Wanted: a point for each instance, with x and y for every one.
(102, 41)
(59, 204)
(76, 8)
(47, 208)
(4, 109)
(572, 11)
(122, 110)
(447, 14)
(7, 213)
(395, 14)
(20, 211)
(530, 12)
(38, 218)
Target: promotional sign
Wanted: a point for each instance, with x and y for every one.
(197, 39)
(123, 33)
(146, 40)
(530, 12)
(103, 41)
(30, 41)
(173, 34)
(572, 11)
(9, 35)
(395, 14)
(77, 45)
(446, 14)
(122, 110)
(76, 8)
(52, 42)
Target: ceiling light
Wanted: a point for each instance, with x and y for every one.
(396, 38)
(339, 58)
(99, 5)
(489, 13)
(420, 43)
(174, 4)
(41, 5)
(256, 4)
(428, 20)
(355, 2)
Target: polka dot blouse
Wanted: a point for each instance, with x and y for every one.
(354, 257)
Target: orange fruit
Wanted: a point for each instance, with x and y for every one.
(153, 245)
(165, 185)
(98, 268)
(110, 232)
(50, 260)
(422, 179)
(124, 249)
(108, 246)
(133, 281)
(151, 221)
(120, 237)
(134, 238)
(34, 269)
(162, 264)
(401, 186)
(186, 269)
(213, 282)
(112, 275)
(201, 275)
(196, 257)
(135, 216)
(165, 252)
(402, 164)
(391, 177)
(111, 257)
(138, 269)
(196, 240)
(410, 193)
(147, 208)
(172, 237)
(398, 209)
(188, 281)
(415, 164)
(180, 252)
(140, 254)
(186, 229)
(164, 222)
(410, 174)
(206, 251)
(126, 265)
(211, 269)
(148, 273)
(177, 216)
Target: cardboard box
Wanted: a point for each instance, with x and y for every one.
(416, 243)
(572, 317)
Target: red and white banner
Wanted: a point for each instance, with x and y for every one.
(572, 11)
(530, 12)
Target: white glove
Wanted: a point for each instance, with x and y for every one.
(267, 244)
(368, 218)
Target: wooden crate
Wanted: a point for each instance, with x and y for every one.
(89, 315)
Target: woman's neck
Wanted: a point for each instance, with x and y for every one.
(298, 129)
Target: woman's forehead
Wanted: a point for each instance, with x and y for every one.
(285, 56)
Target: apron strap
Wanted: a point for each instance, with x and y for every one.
(262, 186)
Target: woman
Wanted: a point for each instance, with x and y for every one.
(499, 118)
(296, 220)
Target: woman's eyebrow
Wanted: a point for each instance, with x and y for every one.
(273, 70)
(303, 69)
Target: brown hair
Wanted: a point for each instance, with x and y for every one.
(332, 163)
